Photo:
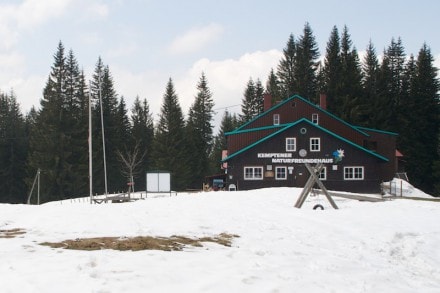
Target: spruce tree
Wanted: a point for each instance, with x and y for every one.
(286, 69)
(273, 87)
(259, 96)
(49, 142)
(75, 125)
(81, 135)
(13, 150)
(320, 76)
(342, 76)
(384, 106)
(103, 88)
(123, 124)
(248, 105)
(124, 144)
(200, 134)
(332, 72)
(306, 65)
(370, 68)
(424, 124)
(407, 106)
(170, 145)
(253, 100)
(390, 86)
(353, 106)
(73, 86)
(228, 123)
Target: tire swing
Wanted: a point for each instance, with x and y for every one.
(318, 206)
(313, 193)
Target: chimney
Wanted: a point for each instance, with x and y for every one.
(267, 103)
(323, 101)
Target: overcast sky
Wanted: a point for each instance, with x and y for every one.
(146, 42)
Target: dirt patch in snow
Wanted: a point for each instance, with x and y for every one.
(11, 233)
(173, 243)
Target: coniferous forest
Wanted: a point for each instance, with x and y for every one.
(398, 92)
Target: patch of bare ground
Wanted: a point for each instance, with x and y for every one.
(11, 233)
(173, 243)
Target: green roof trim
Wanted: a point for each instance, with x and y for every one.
(287, 126)
(256, 129)
(377, 130)
(349, 142)
(306, 101)
(261, 140)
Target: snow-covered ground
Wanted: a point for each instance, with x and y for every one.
(390, 246)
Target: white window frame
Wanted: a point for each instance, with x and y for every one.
(356, 173)
(313, 145)
(251, 175)
(288, 144)
(323, 175)
(276, 119)
(315, 118)
(285, 173)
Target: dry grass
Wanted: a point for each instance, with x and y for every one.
(11, 233)
(173, 243)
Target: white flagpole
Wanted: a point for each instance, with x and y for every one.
(90, 148)
(103, 136)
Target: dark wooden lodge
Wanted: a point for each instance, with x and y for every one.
(271, 149)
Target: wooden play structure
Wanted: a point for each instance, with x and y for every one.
(308, 187)
(314, 179)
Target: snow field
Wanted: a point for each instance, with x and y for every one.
(389, 246)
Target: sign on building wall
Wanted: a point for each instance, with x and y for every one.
(288, 158)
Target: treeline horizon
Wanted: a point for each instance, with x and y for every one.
(398, 93)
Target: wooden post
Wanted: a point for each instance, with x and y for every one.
(401, 192)
(306, 190)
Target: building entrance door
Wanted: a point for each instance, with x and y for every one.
(300, 175)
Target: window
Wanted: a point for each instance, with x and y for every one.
(315, 118)
(323, 174)
(315, 144)
(290, 144)
(253, 173)
(276, 119)
(353, 173)
(280, 173)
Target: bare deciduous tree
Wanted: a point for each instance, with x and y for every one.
(131, 160)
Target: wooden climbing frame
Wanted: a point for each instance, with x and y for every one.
(314, 179)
